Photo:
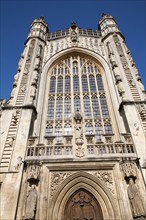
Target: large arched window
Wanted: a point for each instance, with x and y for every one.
(76, 85)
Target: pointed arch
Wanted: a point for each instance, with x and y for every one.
(93, 185)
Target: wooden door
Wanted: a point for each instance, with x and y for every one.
(82, 205)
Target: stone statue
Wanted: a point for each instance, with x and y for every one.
(135, 200)
(73, 36)
(32, 93)
(35, 78)
(31, 202)
(120, 87)
(78, 133)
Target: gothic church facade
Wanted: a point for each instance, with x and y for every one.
(73, 131)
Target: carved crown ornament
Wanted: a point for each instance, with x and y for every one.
(78, 117)
(129, 169)
(33, 169)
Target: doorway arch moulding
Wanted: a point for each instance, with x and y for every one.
(86, 181)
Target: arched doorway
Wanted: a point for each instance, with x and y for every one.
(82, 205)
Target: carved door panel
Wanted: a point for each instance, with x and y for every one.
(82, 206)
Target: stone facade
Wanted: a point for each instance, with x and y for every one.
(73, 131)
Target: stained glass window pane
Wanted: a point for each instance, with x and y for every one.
(51, 109)
(77, 105)
(99, 82)
(60, 85)
(95, 107)
(67, 84)
(52, 85)
(104, 107)
(87, 107)
(92, 84)
(76, 84)
(59, 105)
(84, 84)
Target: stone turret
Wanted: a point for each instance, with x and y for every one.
(107, 25)
(39, 28)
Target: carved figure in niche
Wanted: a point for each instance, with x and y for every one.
(32, 93)
(37, 62)
(31, 202)
(132, 83)
(121, 89)
(73, 36)
(25, 71)
(10, 141)
(35, 77)
(136, 128)
(135, 200)
(23, 88)
(78, 133)
(111, 56)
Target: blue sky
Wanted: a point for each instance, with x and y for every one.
(16, 18)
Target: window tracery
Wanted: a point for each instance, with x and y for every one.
(67, 96)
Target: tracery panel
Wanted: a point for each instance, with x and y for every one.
(67, 96)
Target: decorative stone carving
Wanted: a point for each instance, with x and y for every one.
(15, 117)
(31, 203)
(78, 133)
(106, 177)
(35, 77)
(57, 178)
(37, 62)
(78, 117)
(19, 162)
(33, 172)
(111, 56)
(32, 93)
(80, 151)
(137, 207)
(10, 141)
(136, 128)
(129, 169)
(121, 89)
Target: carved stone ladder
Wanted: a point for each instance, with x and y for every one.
(8, 149)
